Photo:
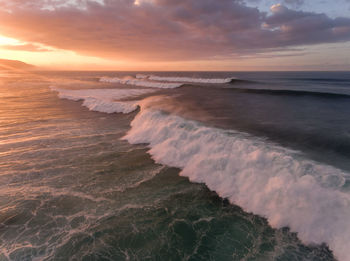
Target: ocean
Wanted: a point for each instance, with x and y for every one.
(175, 166)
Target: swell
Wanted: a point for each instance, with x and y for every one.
(243, 81)
(262, 178)
(292, 93)
(321, 80)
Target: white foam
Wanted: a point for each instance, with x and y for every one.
(110, 106)
(141, 76)
(184, 79)
(104, 100)
(260, 177)
(141, 83)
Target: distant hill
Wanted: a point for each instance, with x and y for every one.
(15, 65)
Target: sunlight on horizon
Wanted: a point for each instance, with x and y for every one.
(8, 41)
(50, 58)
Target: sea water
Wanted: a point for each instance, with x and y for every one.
(174, 166)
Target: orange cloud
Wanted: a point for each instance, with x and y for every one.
(165, 30)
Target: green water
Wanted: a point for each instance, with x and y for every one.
(70, 189)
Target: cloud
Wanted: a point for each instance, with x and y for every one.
(26, 47)
(301, 28)
(165, 29)
(294, 2)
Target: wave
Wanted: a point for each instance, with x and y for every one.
(292, 93)
(104, 100)
(185, 79)
(260, 177)
(141, 83)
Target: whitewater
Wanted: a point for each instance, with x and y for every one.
(104, 100)
(259, 175)
(184, 79)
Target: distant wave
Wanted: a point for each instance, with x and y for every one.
(141, 83)
(104, 100)
(260, 177)
(185, 79)
(332, 80)
(292, 93)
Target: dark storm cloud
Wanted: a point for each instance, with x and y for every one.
(166, 29)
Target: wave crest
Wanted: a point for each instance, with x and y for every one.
(185, 79)
(141, 83)
(262, 178)
(104, 100)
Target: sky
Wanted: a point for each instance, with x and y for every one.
(194, 35)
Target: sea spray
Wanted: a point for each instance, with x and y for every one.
(263, 178)
(260, 177)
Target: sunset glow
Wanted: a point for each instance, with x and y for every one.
(175, 130)
(8, 41)
(175, 35)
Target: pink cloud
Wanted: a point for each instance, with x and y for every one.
(166, 29)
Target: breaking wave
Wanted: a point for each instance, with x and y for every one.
(104, 100)
(185, 79)
(263, 178)
(141, 83)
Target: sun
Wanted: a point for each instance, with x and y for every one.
(8, 41)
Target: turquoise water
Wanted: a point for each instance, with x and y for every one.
(72, 189)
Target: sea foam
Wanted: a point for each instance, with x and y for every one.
(104, 100)
(141, 83)
(263, 178)
(184, 79)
